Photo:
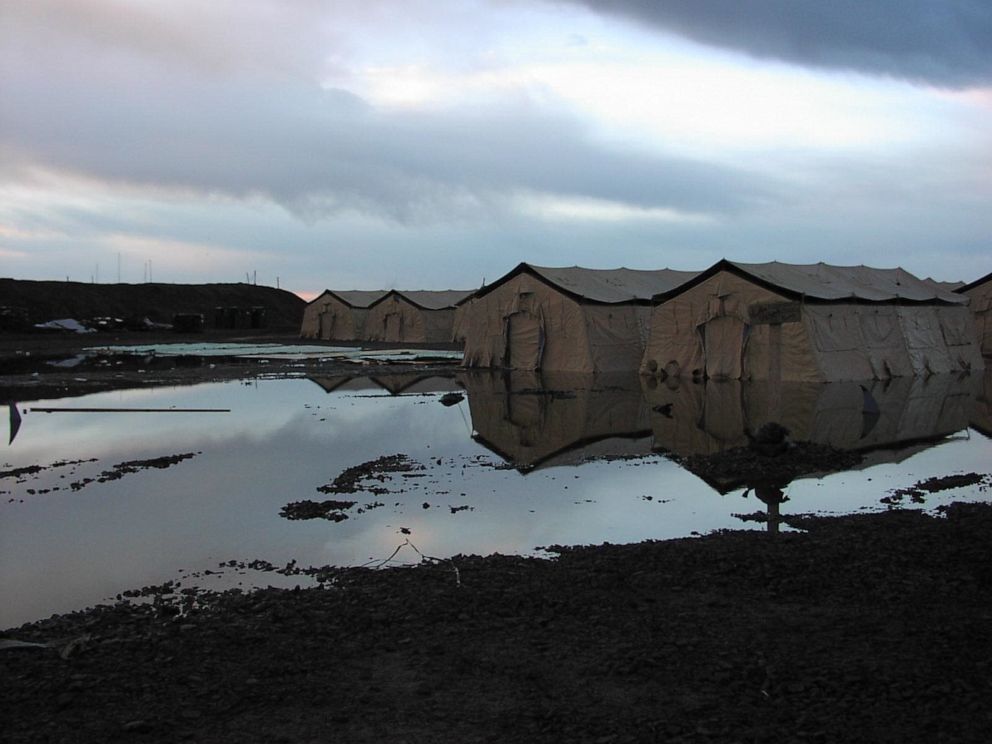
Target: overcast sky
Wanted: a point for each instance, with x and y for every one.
(436, 143)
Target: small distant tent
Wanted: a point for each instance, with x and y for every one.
(979, 294)
(414, 316)
(338, 315)
(808, 323)
(564, 319)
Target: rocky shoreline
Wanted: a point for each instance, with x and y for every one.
(868, 628)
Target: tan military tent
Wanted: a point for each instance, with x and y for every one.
(565, 319)
(981, 405)
(463, 311)
(979, 294)
(338, 315)
(809, 323)
(414, 316)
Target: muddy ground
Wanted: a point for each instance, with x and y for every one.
(868, 628)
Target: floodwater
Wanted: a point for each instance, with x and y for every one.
(517, 463)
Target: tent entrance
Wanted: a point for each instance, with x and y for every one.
(723, 347)
(325, 325)
(524, 341)
(393, 324)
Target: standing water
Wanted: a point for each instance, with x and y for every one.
(190, 484)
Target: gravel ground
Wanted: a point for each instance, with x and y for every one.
(868, 628)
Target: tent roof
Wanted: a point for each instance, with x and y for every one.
(946, 286)
(609, 286)
(830, 283)
(426, 299)
(359, 298)
(977, 283)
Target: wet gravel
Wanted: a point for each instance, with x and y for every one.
(867, 628)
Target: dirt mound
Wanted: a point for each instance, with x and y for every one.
(45, 300)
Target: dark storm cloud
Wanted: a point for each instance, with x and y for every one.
(941, 42)
(320, 151)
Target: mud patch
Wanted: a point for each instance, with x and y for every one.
(331, 510)
(19, 473)
(918, 492)
(130, 467)
(362, 477)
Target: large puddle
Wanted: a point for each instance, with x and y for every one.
(151, 485)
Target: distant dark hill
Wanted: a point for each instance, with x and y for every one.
(46, 301)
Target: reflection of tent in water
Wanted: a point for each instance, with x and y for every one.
(884, 420)
(562, 319)
(392, 384)
(808, 323)
(419, 316)
(338, 315)
(533, 420)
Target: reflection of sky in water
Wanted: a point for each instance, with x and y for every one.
(285, 438)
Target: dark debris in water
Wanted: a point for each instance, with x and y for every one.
(354, 479)
(19, 473)
(918, 492)
(451, 399)
(330, 510)
(117, 472)
(133, 466)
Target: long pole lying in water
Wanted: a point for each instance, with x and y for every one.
(129, 410)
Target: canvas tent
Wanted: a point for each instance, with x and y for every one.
(979, 294)
(534, 420)
(808, 323)
(463, 312)
(981, 405)
(338, 315)
(564, 319)
(414, 316)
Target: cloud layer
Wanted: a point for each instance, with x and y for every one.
(940, 42)
(434, 142)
